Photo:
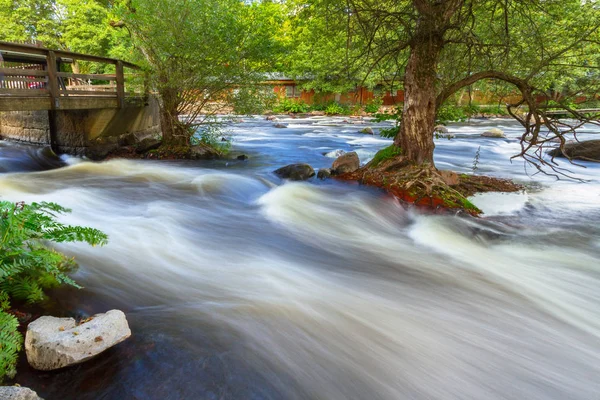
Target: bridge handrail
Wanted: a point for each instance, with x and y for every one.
(25, 82)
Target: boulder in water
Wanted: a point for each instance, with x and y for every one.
(203, 152)
(324, 173)
(335, 153)
(242, 157)
(588, 151)
(148, 144)
(272, 118)
(53, 343)
(440, 129)
(18, 393)
(494, 133)
(367, 131)
(296, 172)
(280, 125)
(348, 162)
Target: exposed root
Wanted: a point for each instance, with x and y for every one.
(426, 186)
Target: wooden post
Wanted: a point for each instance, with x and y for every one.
(54, 98)
(120, 84)
(53, 80)
(146, 86)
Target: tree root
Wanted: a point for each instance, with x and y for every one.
(426, 186)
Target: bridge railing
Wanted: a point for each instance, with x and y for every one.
(28, 71)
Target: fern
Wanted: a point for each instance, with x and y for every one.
(10, 344)
(28, 266)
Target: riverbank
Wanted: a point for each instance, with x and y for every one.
(249, 286)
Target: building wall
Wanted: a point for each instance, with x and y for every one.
(362, 95)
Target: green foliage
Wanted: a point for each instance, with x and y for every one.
(249, 100)
(199, 51)
(334, 108)
(390, 133)
(286, 105)
(374, 105)
(450, 113)
(10, 344)
(212, 133)
(28, 265)
(385, 154)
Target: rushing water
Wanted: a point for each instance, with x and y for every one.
(238, 285)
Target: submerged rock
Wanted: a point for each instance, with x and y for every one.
(18, 393)
(494, 133)
(242, 157)
(148, 144)
(588, 150)
(296, 172)
(440, 129)
(367, 131)
(280, 125)
(348, 162)
(203, 152)
(52, 343)
(324, 173)
(335, 153)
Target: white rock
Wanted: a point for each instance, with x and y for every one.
(52, 343)
(494, 132)
(18, 393)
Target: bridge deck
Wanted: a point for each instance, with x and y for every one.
(31, 78)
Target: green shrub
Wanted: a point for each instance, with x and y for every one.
(385, 154)
(450, 113)
(334, 108)
(249, 100)
(395, 114)
(212, 133)
(374, 105)
(291, 106)
(28, 266)
(318, 107)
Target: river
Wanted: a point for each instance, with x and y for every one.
(238, 285)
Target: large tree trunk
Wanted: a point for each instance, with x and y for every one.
(174, 133)
(418, 117)
(420, 104)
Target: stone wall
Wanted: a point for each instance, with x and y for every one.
(25, 126)
(93, 133)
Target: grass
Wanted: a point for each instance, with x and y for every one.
(385, 154)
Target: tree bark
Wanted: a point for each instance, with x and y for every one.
(418, 117)
(173, 133)
(420, 106)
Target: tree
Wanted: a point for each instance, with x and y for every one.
(199, 51)
(440, 47)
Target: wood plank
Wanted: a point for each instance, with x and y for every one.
(87, 103)
(25, 79)
(23, 48)
(101, 77)
(53, 79)
(24, 92)
(22, 72)
(97, 93)
(31, 49)
(24, 103)
(120, 84)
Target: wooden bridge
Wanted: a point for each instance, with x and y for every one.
(33, 78)
(45, 101)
